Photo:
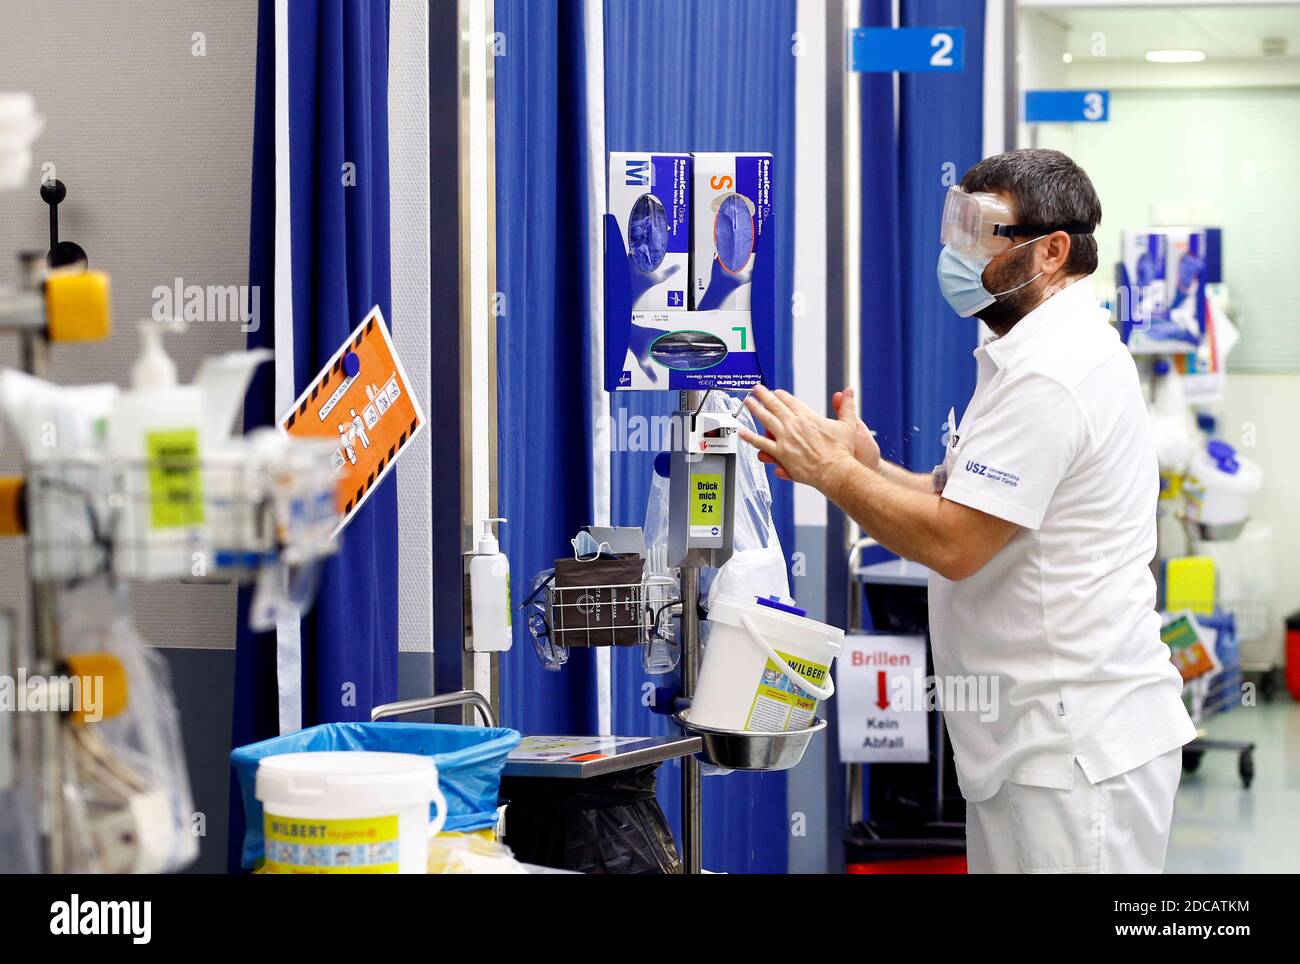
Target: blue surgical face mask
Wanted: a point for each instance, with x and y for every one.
(961, 279)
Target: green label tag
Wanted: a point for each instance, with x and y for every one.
(706, 499)
(175, 479)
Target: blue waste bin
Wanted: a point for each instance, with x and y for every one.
(469, 760)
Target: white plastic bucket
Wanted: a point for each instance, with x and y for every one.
(1219, 485)
(348, 812)
(765, 668)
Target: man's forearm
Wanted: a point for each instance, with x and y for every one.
(901, 517)
(921, 482)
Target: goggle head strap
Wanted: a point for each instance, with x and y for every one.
(1035, 230)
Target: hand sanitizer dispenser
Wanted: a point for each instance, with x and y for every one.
(489, 595)
(702, 488)
(155, 432)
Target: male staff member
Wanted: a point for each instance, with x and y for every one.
(1039, 529)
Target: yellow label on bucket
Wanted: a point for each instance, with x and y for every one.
(297, 845)
(779, 704)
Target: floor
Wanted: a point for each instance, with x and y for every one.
(1220, 827)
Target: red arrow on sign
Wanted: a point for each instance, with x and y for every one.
(882, 695)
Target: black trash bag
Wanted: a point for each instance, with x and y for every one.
(610, 824)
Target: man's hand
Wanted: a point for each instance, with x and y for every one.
(865, 449)
(806, 447)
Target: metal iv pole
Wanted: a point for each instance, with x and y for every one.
(692, 831)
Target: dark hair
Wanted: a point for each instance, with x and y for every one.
(1048, 188)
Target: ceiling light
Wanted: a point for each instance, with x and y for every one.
(1175, 56)
(1067, 57)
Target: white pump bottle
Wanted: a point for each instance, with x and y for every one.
(489, 594)
(156, 432)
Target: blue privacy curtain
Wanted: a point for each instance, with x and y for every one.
(338, 202)
(916, 352)
(543, 343)
(706, 75)
(675, 71)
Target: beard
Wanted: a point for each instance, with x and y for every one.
(1008, 309)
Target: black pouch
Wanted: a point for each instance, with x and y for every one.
(597, 602)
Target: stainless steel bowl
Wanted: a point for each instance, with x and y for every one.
(1217, 533)
(743, 750)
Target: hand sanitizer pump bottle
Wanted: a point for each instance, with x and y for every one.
(489, 594)
(155, 435)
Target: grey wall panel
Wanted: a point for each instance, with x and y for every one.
(149, 111)
(203, 680)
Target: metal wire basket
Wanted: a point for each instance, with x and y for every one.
(1253, 615)
(614, 614)
(603, 615)
(179, 518)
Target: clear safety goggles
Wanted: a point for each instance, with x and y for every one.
(983, 225)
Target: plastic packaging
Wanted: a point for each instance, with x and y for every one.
(126, 788)
(756, 547)
(553, 655)
(655, 527)
(224, 381)
(662, 651)
(757, 565)
(62, 432)
(610, 824)
(55, 421)
(469, 760)
(1171, 421)
(471, 854)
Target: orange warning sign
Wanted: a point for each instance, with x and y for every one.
(363, 401)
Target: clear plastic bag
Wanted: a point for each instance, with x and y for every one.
(127, 804)
(754, 526)
(757, 564)
(471, 854)
(553, 655)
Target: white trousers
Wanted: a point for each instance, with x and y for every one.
(1117, 826)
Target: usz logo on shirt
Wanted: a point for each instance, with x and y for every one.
(997, 475)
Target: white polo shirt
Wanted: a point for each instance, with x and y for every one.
(1062, 621)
